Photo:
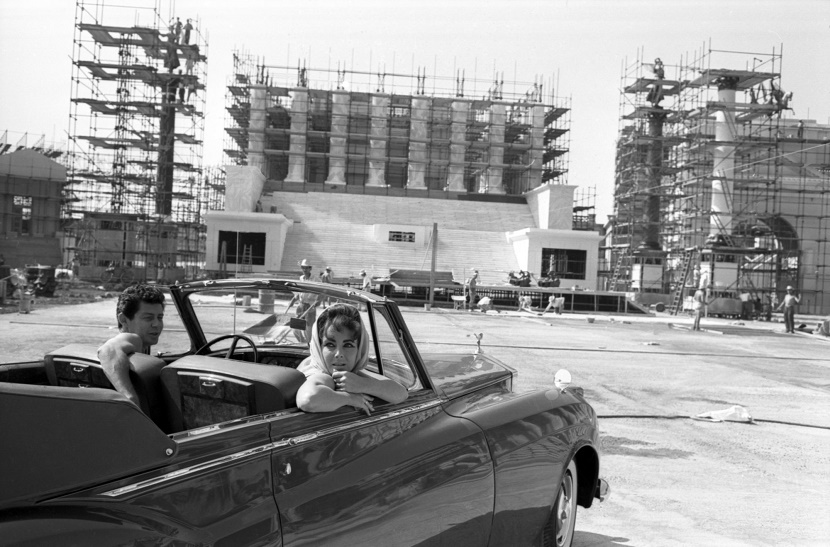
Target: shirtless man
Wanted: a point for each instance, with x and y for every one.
(140, 316)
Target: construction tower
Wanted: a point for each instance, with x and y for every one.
(728, 175)
(135, 186)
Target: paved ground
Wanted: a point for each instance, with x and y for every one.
(674, 480)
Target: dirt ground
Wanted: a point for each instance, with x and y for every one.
(66, 294)
(674, 480)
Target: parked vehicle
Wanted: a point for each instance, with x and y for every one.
(41, 279)
(219, 454)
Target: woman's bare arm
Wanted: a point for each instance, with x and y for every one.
(370, 383)
(318, 394)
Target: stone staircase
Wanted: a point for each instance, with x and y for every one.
(336, 230)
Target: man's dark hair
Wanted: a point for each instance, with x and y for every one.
(132, 297)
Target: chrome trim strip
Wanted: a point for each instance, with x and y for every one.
(360, 423)
(190, 470)
(293, 441)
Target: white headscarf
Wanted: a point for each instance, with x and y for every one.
(316, 364)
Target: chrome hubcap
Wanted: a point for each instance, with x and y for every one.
(564, 510)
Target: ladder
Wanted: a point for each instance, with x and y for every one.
(686, 265)
(623, 261)
(722, 229)
(247, 260)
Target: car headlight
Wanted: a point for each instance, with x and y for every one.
(562, 379)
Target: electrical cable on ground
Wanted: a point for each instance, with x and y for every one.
(677, 417)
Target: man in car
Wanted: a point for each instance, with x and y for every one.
(140, 316)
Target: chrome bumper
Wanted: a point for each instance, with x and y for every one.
(603, 490)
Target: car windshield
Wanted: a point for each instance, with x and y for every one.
(175, 336)
(277, 317)
(261, 315)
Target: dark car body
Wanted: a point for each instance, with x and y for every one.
(218, 453)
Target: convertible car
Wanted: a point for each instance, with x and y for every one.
(219, 454)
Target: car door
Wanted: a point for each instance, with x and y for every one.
(408, 474)
(216, 490)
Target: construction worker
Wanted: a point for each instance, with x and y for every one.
(791, 300)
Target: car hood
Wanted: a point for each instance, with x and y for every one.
(455, 374)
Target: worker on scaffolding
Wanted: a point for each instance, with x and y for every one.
(655, 94)
(187, 28)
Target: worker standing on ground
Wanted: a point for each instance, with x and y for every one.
(471, 289)
(791, 300)
(306, 302)
(327, 277)
(367, 281)
(698, 305)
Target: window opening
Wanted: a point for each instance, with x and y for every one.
(405, 237)
(564, 263)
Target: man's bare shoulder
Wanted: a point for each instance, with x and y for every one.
(123, 341)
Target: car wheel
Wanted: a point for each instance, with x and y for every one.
(559, 529)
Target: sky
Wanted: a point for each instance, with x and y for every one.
(581, 44)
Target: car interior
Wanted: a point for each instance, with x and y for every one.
(232, 376)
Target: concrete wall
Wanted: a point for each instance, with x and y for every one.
(30, 174)
(528, 245)
(552, 206)
(274, 226)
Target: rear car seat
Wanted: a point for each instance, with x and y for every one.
(77, 365)
(200, 390)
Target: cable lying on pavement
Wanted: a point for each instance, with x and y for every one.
(661, 417)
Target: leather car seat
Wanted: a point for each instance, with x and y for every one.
(200, 390)
(77, 365)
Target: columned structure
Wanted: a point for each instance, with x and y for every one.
(492, 180)
(256, 128)
(339, 137)
(395, 133)
(378, 140)
(723, 155)
(299, 128)
(420, 110)
(458, 145)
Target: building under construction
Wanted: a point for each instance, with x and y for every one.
(398, 131)
(718, 185)
(136, 189)
(388, 158)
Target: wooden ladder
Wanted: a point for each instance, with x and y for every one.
(689, 258)
(619, 267)
(247, 259)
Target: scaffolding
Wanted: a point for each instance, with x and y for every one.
(722, 169)
(316, 126)
(135, 138)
